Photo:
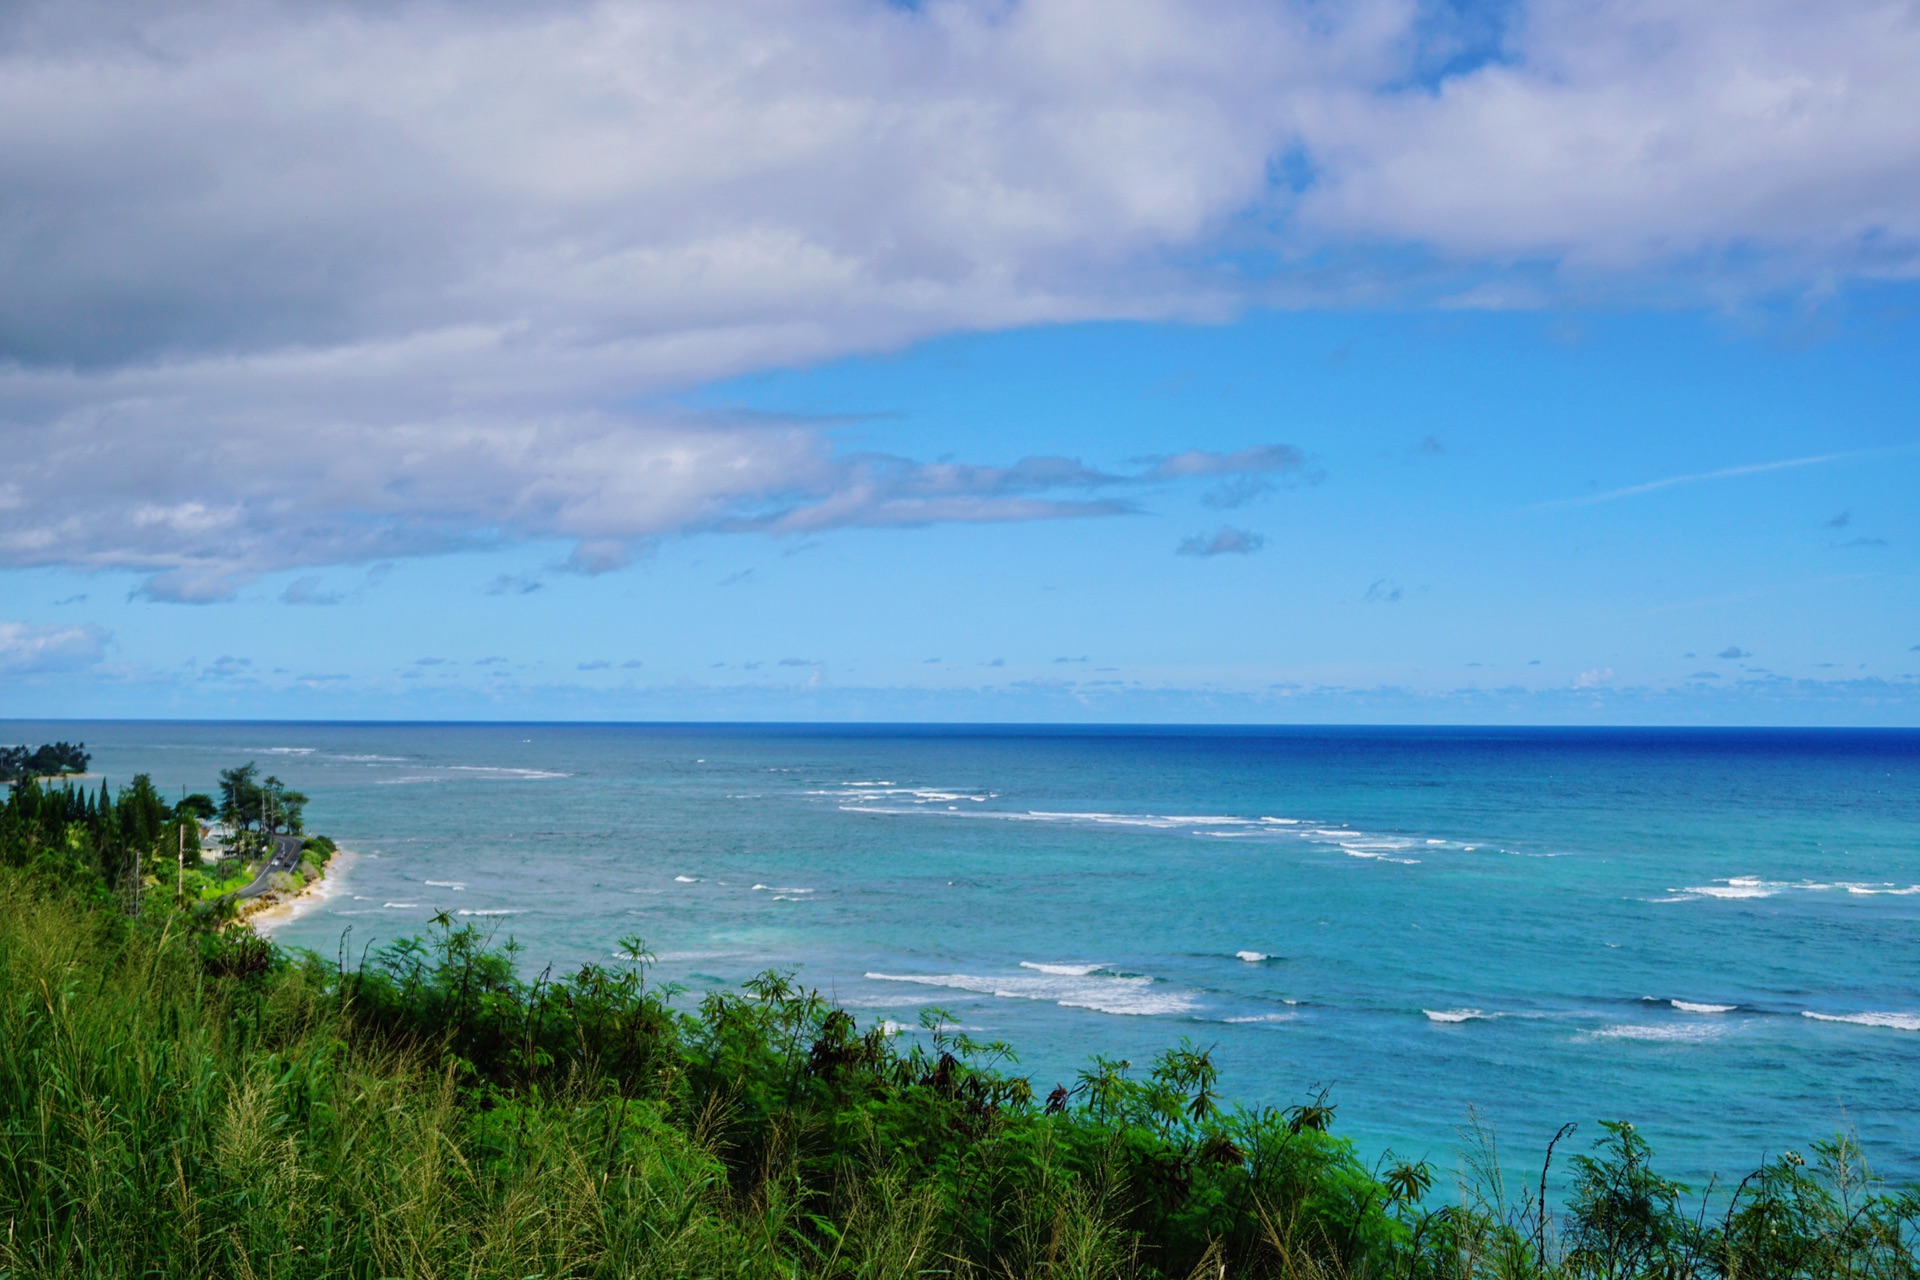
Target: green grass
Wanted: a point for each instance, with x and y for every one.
(205, 883)
(177, 1102)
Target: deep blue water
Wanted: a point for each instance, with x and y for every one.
(1711, 933)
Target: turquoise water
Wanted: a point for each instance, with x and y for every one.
(1711, 933)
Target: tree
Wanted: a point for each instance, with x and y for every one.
(281, 805)
(197, 806)
(142, 813)
(240, 796)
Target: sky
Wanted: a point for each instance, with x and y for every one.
(971, 360)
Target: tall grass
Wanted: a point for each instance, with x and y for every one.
(177, 1102)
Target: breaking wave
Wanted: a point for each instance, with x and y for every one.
(1103, 993)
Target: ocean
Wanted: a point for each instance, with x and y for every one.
(1711, 933)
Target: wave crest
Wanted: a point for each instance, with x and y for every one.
(1893, 1021)
(1134, 996)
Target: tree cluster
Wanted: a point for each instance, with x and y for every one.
(52, 760)
(249, 801)
(90, 837)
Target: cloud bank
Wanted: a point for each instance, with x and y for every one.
(287, 285)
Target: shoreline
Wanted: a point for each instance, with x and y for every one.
(271, 910)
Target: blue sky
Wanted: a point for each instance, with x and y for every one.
(1446, 365)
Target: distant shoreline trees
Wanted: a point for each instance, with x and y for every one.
(53, 760)
(133, 839)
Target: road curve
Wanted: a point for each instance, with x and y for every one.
(286, 856)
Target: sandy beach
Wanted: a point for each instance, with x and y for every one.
(277, 909)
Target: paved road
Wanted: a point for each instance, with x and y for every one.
(286, 856)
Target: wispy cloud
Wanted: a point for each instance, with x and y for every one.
(189, 584)
(1724, 473)
(1243, 474)
(228, 667)
(1226, 541)
(1263, 459)
(26, 648)
(877, 491)
(308, 590)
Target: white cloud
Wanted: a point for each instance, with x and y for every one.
(1617, 134)
(291, 285)
(25, 648)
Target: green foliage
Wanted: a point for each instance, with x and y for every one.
(142, 813)
(285, 806)
(55, 759)
(242, 802)
(180, 1098)
(247, 800)
(197, 806)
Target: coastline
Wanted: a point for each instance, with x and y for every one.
(270, 910)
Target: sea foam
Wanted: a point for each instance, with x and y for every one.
(1138, 996)
(1683, 1031)
(1894, 1021)
(1736, 887)
(888, 799)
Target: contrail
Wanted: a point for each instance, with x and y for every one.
(1725, 473)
